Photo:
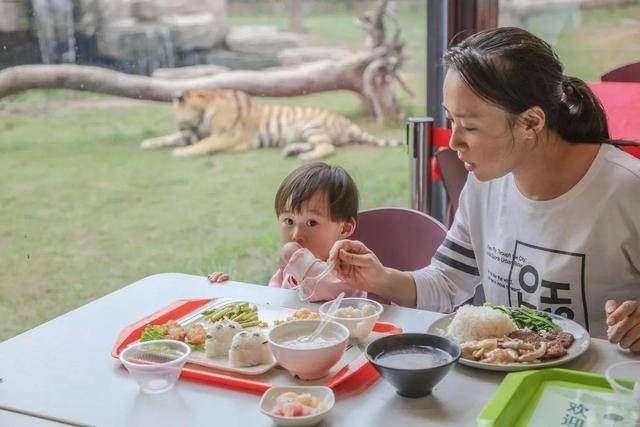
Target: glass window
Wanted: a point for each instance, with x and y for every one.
(86, 211)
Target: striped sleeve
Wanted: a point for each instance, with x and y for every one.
(453, 275)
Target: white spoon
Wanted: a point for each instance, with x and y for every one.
(332, 309)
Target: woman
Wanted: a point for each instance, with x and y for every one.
(550, 214)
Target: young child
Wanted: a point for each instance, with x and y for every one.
(316, 206)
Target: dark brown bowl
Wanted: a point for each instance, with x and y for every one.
(412, 382)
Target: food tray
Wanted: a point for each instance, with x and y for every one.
(557, 397)
(351, 375)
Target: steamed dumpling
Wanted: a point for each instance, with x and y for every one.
(220, 336)
(249, 349)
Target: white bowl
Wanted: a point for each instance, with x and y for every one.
(155, 365)
(323, 394)
(359, 327)
(307, 363)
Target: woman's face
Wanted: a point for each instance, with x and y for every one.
(481, 133)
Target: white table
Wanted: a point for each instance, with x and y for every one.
(63, 370)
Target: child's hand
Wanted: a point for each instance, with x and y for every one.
(218, 277)
(287, 251)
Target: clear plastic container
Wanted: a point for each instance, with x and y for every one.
(155, 365)
(360, 326)
(624, 378)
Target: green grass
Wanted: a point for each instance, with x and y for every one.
(85, 212)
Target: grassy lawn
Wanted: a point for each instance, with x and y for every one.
(85, 212)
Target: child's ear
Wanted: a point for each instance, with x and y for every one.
(348, 227)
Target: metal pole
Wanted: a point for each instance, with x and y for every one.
(437, 39)
(419, 130)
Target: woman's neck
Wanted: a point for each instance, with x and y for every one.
(554, 167)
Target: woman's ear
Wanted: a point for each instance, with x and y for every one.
(348, 227)
(533, 121)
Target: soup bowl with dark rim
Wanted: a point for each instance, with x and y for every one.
(413, 363)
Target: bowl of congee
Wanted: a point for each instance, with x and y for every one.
(303, 358)
(413, 363)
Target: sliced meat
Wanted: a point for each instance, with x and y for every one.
(529, 337)
(501, 356)
(535, 354)
(565, 338)
(554, 350)
(196, 334)
(175, 331)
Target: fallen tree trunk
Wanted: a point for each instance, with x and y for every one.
(370, 73)
(319, 76)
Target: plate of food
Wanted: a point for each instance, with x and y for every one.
(226, 335)
(500, 338)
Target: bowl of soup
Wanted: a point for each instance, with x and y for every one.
(413, 363)
(308, 360)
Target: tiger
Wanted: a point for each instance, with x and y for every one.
(212, 121)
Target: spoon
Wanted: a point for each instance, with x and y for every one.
(332, 309)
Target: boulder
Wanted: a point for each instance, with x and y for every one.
(13, 16)
(262, 40)
(196, 31)
(296, 56)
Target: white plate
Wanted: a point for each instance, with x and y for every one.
(222, 363)
(323, 394)
(579, 346)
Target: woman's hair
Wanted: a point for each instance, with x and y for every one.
(333, 182)
(515, 70)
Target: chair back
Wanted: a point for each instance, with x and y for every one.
(404, 239)
(626, 73)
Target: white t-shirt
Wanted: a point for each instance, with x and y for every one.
(567, 255)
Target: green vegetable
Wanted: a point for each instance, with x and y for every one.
(524, 317)
(243, 313)
(250, 324)
(153, 332)
(196, 347)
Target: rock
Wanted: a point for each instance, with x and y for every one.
(196, 31)
(13, 15)
(188, 72)
(138, 48)
(295, 56)
(143, 10)
(260, 40)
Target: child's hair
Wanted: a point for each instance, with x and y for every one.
(333, 181)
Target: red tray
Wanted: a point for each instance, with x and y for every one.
(353, 378)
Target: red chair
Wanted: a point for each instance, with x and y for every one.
(627, 73)
(404, 239)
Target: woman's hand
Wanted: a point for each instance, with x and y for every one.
(624, 324)
(358, 266)
(218, 277)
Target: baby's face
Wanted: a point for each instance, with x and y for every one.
(313, 228)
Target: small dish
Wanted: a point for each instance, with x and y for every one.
(155, 365)
(359, 327)
(323, 394)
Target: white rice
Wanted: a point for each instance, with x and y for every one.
(475, 323)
